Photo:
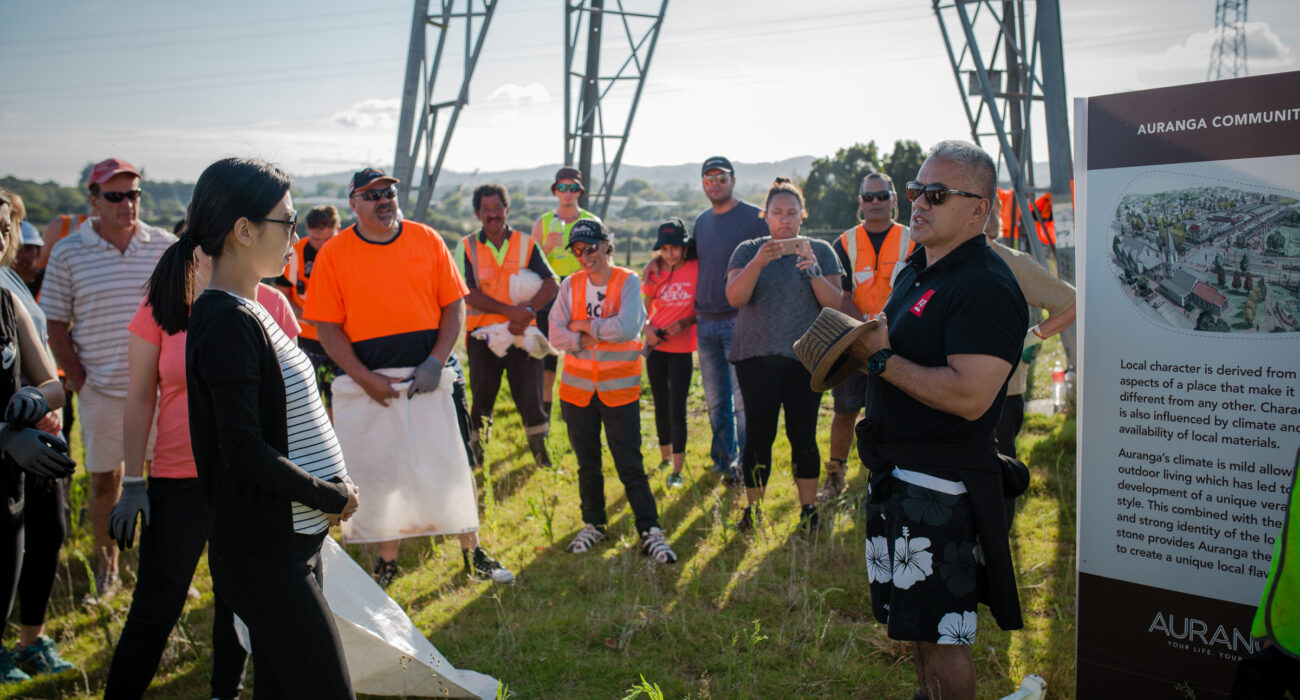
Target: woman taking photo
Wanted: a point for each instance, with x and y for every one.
(669, 290)
(174, 510)
(779, 283)
(272, 492)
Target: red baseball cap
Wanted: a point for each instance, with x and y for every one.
(106, 169)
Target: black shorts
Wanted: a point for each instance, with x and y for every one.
(851, 394)
(924, 565)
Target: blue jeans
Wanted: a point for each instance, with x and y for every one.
(721, 391)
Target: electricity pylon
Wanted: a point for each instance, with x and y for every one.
(598, 112)
(1228, 56)
(421, 140)
(1010, 72)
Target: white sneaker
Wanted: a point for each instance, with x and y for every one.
(654, 546)
(586, 538)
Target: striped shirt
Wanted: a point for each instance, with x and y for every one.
(95, 288)
(312, 445)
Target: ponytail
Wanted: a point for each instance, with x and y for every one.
(228, 190)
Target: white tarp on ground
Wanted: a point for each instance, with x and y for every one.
(387, 654)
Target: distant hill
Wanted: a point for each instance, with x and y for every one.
(661, 176)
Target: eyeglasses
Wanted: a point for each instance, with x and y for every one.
(568, 188)
(717, 179)
(117, 197)
(877, 196)
(389, 192)
(586, 251)
(936, 193)
(291, 223)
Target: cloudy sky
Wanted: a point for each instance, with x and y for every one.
(315, 84)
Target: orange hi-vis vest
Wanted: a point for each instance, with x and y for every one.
(611, 370)
(874, 275)
(296, 273)
(493, 276)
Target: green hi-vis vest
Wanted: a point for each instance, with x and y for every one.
(1278, 616)
(560, 257)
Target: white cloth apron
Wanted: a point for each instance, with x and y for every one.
(407, 460)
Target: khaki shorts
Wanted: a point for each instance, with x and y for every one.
(100, 416)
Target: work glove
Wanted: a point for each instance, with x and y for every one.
(26, 407)
(36, 452)
(121, 521)
(1030, 351)
(425, 378)
(811, 272)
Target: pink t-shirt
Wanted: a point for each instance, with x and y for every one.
(173, 458)
(671, 297)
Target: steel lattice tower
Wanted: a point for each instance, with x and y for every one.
(599, 107)
(1010, 72)
(1228, 56)
(421, 140)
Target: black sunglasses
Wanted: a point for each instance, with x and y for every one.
(877, 196)
(117, 197)
(389, 192)
(936, 193)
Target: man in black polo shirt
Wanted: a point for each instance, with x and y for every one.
(948, 340)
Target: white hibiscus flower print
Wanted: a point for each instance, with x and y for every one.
(958, 628)
(878, 568)
(912, 562)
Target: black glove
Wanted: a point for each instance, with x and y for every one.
(426, 377)
(26, 407)
(37, 452)
(121, 521)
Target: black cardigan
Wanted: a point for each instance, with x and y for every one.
(239, 433)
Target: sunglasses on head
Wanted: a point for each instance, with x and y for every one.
(568, 188)
(116, 197)
(389, 192)
(936, 193)
(876, 196)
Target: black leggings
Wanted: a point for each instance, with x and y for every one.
(46, 512)
(768, 384)
(670, 382)
(170, 548)
(296, 648)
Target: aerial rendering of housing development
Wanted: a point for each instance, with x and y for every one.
(1211, 258)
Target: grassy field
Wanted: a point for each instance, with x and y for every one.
(774, 615)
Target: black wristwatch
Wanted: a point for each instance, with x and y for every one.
(876, 364)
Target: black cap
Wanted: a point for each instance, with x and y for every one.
(589, 231)
(368, 178)
(717, 163)
(672, 232)
(568, 173)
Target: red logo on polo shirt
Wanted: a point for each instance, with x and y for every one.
(919, 306)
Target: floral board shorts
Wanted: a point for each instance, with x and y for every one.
(924, 565)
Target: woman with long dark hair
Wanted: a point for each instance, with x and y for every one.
(171, 501)
(273, 490)
(779, 284)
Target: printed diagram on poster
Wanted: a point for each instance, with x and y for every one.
(1209, 255)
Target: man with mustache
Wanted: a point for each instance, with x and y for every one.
(948, 339)
(385, 298)
(490, 260)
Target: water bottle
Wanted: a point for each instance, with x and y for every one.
(1058, 387)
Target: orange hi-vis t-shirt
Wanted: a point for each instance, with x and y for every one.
(297, 273)
(387, 296)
